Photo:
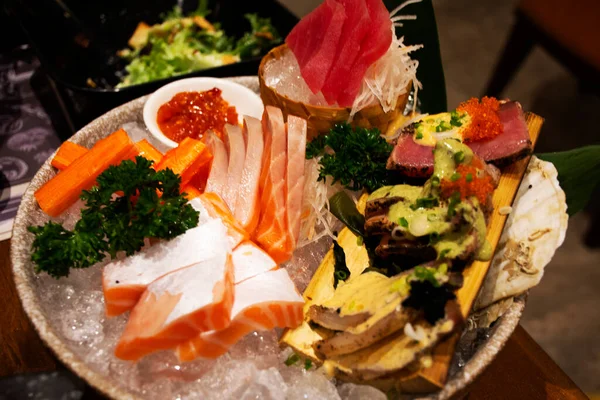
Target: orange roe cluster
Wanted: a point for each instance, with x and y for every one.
(467, 183)
(485, 122)
(191, 114)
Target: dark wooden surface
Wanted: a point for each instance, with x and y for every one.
(522, 370)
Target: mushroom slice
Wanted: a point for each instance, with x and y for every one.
(395, 352)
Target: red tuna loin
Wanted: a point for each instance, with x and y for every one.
(374, 45)
(314, 42)
(355, 28)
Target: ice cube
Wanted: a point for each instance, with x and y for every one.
(350, 391)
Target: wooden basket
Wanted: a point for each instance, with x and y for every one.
(322, 118)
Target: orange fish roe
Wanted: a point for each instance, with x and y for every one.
(485, 122)
(467, 183)
(190, 114)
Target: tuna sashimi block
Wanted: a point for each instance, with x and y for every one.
(296, 149)
(264, 302)
(247, 211)
(316, 39)
(250, 260)
(374, 45)
(307, 34)
(355, 28)
(178, 306)
(124, 281)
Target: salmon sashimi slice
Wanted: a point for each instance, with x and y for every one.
(271, 233)
(217, 177)
(296, 151)
(124, 281)
(246, 209)
(237, 157)
(250, 260)
(179, 306)
(263, 302)
(211, 206)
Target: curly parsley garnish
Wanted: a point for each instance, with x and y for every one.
(148, 205)
(357, 159)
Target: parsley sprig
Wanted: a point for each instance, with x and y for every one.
(358, 157)
(112, 223)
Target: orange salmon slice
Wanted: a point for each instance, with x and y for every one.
(124, 281)
(247, 206)
(178, 306)
(272, 233)
(263, 302)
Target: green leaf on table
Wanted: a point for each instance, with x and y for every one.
(578, 174)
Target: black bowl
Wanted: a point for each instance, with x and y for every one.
(77, 40)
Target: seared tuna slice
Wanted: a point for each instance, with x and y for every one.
(513, 144)
(410, 158)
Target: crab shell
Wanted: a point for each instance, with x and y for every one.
(535, 228)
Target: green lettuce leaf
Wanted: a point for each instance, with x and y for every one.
(578, 174)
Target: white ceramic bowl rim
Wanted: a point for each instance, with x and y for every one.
(245, 101)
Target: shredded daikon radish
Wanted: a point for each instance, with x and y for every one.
(388, 77)
(316, 221)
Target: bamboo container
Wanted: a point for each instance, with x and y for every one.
(321, 119)
(320, 288)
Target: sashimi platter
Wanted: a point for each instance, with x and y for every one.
(333, 242)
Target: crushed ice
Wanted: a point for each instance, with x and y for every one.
(253, 368)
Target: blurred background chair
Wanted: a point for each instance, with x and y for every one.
(568, 29)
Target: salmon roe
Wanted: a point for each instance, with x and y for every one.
(191, 114)
(485, 122)
(469, 180)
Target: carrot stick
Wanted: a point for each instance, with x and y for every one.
(145, 149)
(66, 154)
(190, 191)
(64, 189)
(186, 159)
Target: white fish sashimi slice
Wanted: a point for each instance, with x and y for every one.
(124, 281)
(211, 206)
(247, 209)
(217, 178)
(263, 302)
(237, 157)
(296, 150)
(250, 260)
(178, 306)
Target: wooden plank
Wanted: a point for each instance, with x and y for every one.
(435, 376)
(523, 370)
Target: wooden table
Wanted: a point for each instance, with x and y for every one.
(522, 370)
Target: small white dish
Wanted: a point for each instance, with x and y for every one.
(245, 101)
